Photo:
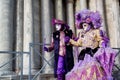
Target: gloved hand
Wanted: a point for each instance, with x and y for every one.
(103, 44)
(75, 39)
(67, 39)
(45, 49)
(109, 78)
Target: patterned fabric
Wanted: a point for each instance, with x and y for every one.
(91, 39)
(106, 57)
(88, 69)
(98, 67)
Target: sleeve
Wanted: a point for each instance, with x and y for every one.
(74, 37)
(76, 43)
(101, 37)
(51, 47)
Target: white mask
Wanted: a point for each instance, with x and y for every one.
(85, 26)
(58, 27)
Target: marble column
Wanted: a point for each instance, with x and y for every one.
(46, 32)
(36, 59)
(28, 33)
(113, 18)
(112, 13)
(19, 32)
(77, 9)
(83, 4)
(6, 34)
(70, 15)
(77, 6)
(92, 5)
(97, 5)
(116, 17)
(59, 9)
(70, 19)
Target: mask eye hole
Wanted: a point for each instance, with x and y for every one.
(85, 25)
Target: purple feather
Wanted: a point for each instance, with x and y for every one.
(88, 16)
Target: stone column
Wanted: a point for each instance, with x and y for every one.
(59, 9)
(28, 33)
(46, 31)
(113, 18)
(97, 5)
(70, 14)
(70, 19)
(93, 5)
(113, 14)
(77, 9)
(116, 19)
(116, 11)
(77, 5)
(36, 61)
(19, 32)
(83, 4)
(6, 34)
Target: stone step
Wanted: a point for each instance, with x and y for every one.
(25, 77)
(14, 77)
(116, 76)
(9, 77)
(46, 77)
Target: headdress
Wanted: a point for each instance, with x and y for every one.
(87, 16)
(57, 21)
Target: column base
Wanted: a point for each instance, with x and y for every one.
(47, 71)
(46, 77)
(9, 77)
(5, 73)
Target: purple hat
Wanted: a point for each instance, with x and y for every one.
(87, 16)
(57, 21)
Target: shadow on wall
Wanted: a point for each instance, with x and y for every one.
(116, 75)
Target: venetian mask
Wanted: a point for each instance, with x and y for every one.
(58, 27)
(86, 26)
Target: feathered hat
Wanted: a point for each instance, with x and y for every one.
(57, 21)
(87, 16)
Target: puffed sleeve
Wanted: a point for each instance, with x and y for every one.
(76, 43)
(100, 37)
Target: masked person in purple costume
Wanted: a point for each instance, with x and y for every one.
(63, 52)
(90, 37)
(96, 57)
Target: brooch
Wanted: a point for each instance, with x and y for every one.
(82, 36)
(56, 36)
